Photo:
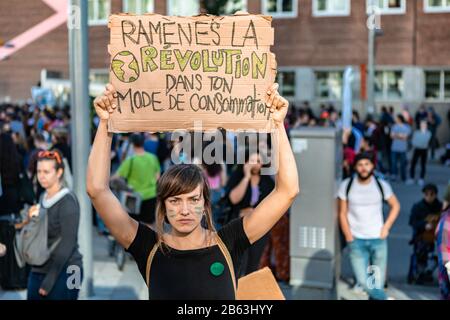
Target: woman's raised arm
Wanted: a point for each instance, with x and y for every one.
(275, 205)
(116, 219)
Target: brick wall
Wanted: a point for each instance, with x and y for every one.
(301, 41)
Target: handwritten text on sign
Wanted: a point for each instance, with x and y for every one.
(172, 71)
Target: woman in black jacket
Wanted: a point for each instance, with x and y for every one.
(11, 276)
(10, 165)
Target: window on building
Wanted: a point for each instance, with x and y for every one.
(437, 85)
(388, 85)
(329, 8)
(329, 85)
(447, 85)
(280, 8)
(183, 8)
(138, 6)
(286, 81)
(432, 6)
(433, 85)
(98, 11)
(235, 5)
(387, 6)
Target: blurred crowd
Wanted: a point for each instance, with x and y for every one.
(140, 158)
(389, 136)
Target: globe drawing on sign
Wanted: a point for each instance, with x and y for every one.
(125, 66)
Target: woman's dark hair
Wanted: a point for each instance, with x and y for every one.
(137, 140)
(60, 135)
(401, 118)
(430, 187)
(213, 169)
(363, 156)
(10, 160)
(181, 179)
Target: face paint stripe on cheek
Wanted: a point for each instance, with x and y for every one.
(199, 210)
(171, 213)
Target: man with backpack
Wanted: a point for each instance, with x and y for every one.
(362, 222)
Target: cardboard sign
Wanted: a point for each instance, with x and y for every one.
(172, 71)
(259, 285)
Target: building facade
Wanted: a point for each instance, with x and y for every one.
(314, 41)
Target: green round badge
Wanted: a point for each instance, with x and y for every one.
(217, 269)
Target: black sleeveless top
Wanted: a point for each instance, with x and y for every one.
(200, 274)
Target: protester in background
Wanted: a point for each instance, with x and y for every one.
(446, 202)
(361, 219)
(276, 253)
(16, 123)
(423, 220)
(399, 133)
(60, 143)
(391, 112)
(434, 121)
(443, 248)
(356, 122)
(347, 164)
(141, 171)
(10, 169)
(216, 176)
(246, 189)
(445, 158)
(49, 281)
(125, 149)
(348, 154)
(407, 115)
(385, 144)
(11, 276)
(334, 120)
(421, 114)
(420, 142)
(386, 117)
(22, 147)
(40, 144)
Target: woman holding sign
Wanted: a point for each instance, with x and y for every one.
(185, 258)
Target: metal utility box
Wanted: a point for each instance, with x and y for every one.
(314, 238)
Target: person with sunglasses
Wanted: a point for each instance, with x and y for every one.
(50, 280)
(185, 258)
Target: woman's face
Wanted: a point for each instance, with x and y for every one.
(255, 161)
(47, 174)
(185, 211)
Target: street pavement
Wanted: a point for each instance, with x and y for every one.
(112, 284)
